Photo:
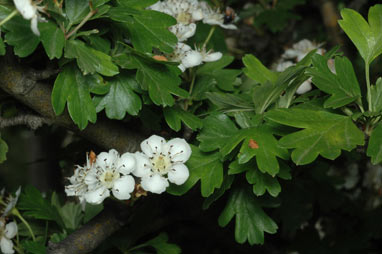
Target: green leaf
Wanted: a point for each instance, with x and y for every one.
(90, 60)
(161, 245)
(267, 93)
(367, 37)
(343, 85)
(71, 214)
(148, 29)
(3, 150)
(219, 132)
(227, 102)
(376, 96)
(20, 36)
(34, 247)
(120, 99)
(2, 47)
(218, 193)
(91, 211)
(32, 202)
(159, 79)
(374, 149)
(175, 115)
(206, 167)
(76, 10)
(225, 78)
(140, 4)
(52, 38)
(73, 88)
(255, 70)
(251, 220)
(324, 133)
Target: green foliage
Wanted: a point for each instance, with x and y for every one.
(206, 167)
(374, 149)
(2, 47)
(3, 150)
(53, 39)
(367, 37)
(255, 70)
(175, 115)
(343, 85)
(34, 205)
(376, 96)
(324, 133)
(251, 220)
(34, 247)
(160, 244)
(73, 88)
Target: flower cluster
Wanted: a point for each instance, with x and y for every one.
(187, 13)
(7, 230)
(159, 163)
(30, 11)
(295, 54)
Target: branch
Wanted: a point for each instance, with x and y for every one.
(32, 121)
(19, 83)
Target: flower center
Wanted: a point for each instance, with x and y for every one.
(184, 18)
(108, 178)
(161, 164)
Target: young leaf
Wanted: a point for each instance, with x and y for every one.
(90, 60)
(34, 247)
(3, 150)
(120, 99)
(255, 70)
(374, 149)
(147, 28)
(206, 167)
(161, 245)
(20, 36)
(324, 133)
(32, 202)
(71, 214)
(376, 96)
(52, 38)
(175, 115)
(2, 47)
(72, 87)
(367, 37)
(343, 85)
(251, 220)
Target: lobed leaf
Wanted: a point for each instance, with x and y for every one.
(374, 149)
(175, 115)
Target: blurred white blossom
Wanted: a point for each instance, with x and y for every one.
(161, 162)
(215, 17)
(30, 11)
(7, 232)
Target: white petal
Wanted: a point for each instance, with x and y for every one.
(91, 178)
(123, 187)
(26, 9)
(34, 24)
(228, 26)
(152, 145)
(212, 57)
(181, 67)
(10, 230)
(183, 32)
(192, 58)
(178, 174)
(304, 87)
(6, 246)
(126, 163)
(107, 159)
(155, 183)
(178, 149)
(197, 15)
(290, 53)
(97, 196)
(142, 167)
(282, 66)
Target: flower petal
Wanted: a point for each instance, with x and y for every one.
(192, 58)
(178, 149)
(91, 179)
(97, 196)
(304, 87)
(178, 174)
(154, 183)
(6, 246)
(126, 163)
(142, 167)
(34, 23)
(123, 187)
(152, 145)
(10, 230)
(212, 57)
(105, 159)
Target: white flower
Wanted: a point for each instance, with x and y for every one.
(7, 232)
(30, 11)
(300, 49)
(161, 162)
(11, 202)
(283, 65)
(111, 171)
(209, 56)
(304, 87)
(183, 32)
(214, 17)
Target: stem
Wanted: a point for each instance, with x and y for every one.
(8, 17)
(212, 30)
(17, 213)
(90, 14)
(368, 86)
(193, 73)
(359, 103)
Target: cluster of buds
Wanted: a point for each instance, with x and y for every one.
(159, 163)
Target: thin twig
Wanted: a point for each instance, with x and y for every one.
(90, 14)
(32, 121)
